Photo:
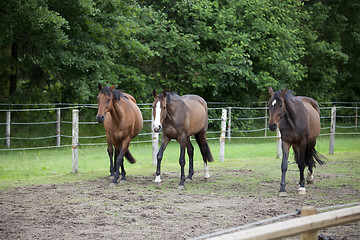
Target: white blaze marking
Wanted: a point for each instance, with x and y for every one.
(274, 102)
(157, 115)
(157, 179)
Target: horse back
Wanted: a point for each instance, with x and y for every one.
(197, 108)
(131, 98)
(313, 110)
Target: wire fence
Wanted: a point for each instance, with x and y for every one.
(20, 123)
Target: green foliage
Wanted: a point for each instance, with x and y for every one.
(228, 50)
(224, 50)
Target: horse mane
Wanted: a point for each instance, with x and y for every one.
(106, 91)
(116, 93)
(170, 96)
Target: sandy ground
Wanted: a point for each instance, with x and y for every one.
(138, 210)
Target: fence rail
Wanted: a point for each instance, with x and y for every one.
(240, 123)
(306, 225)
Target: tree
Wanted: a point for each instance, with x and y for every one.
(223, 50)
(58, 50)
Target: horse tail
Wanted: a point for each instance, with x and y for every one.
(129, 157)
(206, 153)
(311, 154)
(318, 157)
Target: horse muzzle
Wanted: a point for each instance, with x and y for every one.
(272, 126)
(100, 118)
(157, 128)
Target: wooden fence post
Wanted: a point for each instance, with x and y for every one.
(229, 125)
(155, 141)
(311, 235)
(222, 136)
(75, 140)
(356, 116)
(266, 121)
(58, 127)
(332, 130)
(8, 120)
(278, 143)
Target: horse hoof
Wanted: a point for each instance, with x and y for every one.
(282, 194)
(158, 184)
(207, 179)
(310, 181)
(189, 180)
(123, 182)
(181, 187)
(301, 191)
(113, 185)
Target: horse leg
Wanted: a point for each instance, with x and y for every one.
(205, 152)
(124, 148)
(164, 142)
(310, 162)
(110, 151)
(284, 166)
(182, 162)
(301, 149)
(120, 161)
(190, 152)
(116, 169)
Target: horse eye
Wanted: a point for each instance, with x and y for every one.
(108, 100)
(280, 105)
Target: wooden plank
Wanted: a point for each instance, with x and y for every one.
(296, 226)
(308, 211)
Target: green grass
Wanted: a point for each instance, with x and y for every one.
(52, 166)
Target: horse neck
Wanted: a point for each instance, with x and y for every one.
(294, 111)
(118, 111)
(174, 108)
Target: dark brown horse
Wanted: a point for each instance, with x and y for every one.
(298, 119)
(179, 118)
(122, 121)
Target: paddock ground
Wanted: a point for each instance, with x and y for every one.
(137, 210)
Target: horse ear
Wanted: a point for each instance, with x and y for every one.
(112, 87)
(154, 93)
(270, 90)
(164, 94)
(100, 86)
(283, 92)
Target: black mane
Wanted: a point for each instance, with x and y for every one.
(106, 91)
(116, 93)
(170, 96)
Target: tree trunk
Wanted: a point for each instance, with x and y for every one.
(13, 76)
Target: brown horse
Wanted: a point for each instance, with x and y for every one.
(106, 119)
(179, 118)
(298, 119)
(122, 121)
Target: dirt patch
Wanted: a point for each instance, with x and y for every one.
(137, 210)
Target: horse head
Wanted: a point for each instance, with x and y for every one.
(277, 107)
(104, 102)
(159, 110)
